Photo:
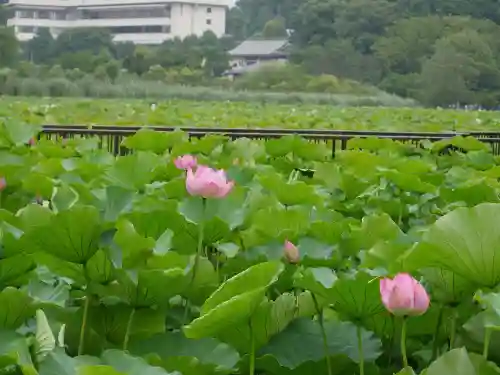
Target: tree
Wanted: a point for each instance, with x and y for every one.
(82, 60)
(9, 46)
(207, 53)
(236, 24)
(409, 42)
(480, 9)
(254, 14)
(313, 23)
(215, 60)
(76, 40)
(5, 14)
(275, 29)
(363, 21)
(463, 69)
(140, 62)
(339, 58)
(40, 49)
(123, 50)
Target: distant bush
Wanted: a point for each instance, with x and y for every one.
(57, 82)
(288, 77)
(32, 87)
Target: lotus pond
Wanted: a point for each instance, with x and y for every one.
(108, 266)
(241, 115)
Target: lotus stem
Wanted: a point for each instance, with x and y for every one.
(252, 350)
(360, 350)
(391, 340)
(199, 251)
(86, 306)
(128, 329)
(487, 338)
(435, 343)
(403, 343)
(321, 322)
(83, 328)
(453, 329)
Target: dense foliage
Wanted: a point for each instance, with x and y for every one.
(438, 51)
(288, 83)
(116, 269)
(235, 114)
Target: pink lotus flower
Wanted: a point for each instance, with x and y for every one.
(404, 296)
(291, 252)
(186, 162)
(208, 183)
(3, 183)
(32, 141)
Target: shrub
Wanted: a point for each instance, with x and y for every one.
(155, 73)
(56, 72)
(32, 87)
(323, 83)
(62, 87)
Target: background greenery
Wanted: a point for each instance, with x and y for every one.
(239, 114)
(440, 52)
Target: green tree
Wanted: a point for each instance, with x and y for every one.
(9, 46)
(339, 57)
(275, 29)
(485, 9)
(407, 43)
(363, 21)
(40, 49)
(249, 17)
(112, 69)
(236, 24)
(5, 14)
(124, 50)
(207, 53)
(254, 14)
(82, 60)
(463, 69)
(215, 60)
(76, 40)
(314, 21)
(140, 62)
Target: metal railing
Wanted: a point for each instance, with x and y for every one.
(112, 136)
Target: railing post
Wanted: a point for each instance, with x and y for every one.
(113, 135)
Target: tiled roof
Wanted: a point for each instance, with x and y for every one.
(259, 48)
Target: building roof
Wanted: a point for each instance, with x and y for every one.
(250, 68)
(260, 48)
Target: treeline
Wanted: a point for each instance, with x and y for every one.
(93, 51)
(440, 52)
(87, 62)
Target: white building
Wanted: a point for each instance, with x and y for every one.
(137, 21)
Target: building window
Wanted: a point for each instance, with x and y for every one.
(209, 22)
(26, 29)
(25, 14)
(153, 12)
(59, 15)
(44, 14)
(152, 29)
(209, 10)
(140, 29)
